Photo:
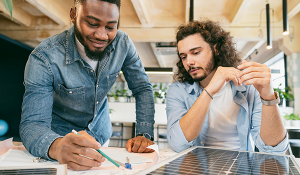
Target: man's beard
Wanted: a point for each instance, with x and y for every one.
(96, 55)
(207, 70)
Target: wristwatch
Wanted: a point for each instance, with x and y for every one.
(146, 135)
(271, 102)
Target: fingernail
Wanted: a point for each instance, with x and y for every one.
(99, 146)
(99, 164)
(103, 159)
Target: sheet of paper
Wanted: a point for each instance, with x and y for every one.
(121, 154)
(6, 145)
(20, 158)
(154, 147)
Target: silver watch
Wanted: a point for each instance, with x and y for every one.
(271, 102)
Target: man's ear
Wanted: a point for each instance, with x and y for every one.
(215, 50)
(73, 14)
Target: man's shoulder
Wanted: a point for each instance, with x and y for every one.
(181, 86)
(52, 43)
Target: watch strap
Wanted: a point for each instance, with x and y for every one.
(146, 135)
(271, 102)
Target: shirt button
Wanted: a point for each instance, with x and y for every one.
(201, 142)
(92, 70)
(97, 85)
(70, 92)
(97, 102)
(117, 75)
(95, 116)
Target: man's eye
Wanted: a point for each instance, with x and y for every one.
(91, 24)
(196, 53)
(110, 28)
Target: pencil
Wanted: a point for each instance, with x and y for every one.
(102, 153)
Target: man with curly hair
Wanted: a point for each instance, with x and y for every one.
(219, 100)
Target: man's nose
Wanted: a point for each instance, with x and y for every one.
(101, 34)
(190, 60)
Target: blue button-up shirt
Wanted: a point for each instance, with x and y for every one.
(182, 96)
(62, 91)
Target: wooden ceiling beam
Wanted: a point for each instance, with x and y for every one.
(293, 10)
(142, 12)
(19, 16)
(53, 9)
(144, 34)
(237, 11)
(187, 11)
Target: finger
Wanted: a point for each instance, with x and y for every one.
(76, 167)
(257, 81)
(84, 141)
(249, 64)
(252, 75)
(84, 161)
(143, 146)
(129, 145)
(254, 69)
(88, 152)
(234, 78)
(148, 150)
(136, 145)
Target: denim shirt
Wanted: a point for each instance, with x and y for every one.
(62, 91)
(182, 96)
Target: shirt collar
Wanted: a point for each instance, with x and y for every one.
(194, 87)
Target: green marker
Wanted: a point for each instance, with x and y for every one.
(102, 153)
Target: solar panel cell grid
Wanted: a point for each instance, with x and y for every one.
(218, 161)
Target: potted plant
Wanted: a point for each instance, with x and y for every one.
(292, 120)
(122, 95)
(110, 112)
(111, 97)
(284, 95)
(159, 96)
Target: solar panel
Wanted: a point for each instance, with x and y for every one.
(204, 160)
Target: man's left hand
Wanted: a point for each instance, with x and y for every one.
(139, 144)
(259, 75)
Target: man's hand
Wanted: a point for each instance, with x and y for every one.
(222, 75)
(259, 75)
(139, 144)
(68, 150)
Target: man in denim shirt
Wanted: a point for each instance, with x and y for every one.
(219, 101)
(67, 78)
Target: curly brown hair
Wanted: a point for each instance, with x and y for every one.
(224, 53)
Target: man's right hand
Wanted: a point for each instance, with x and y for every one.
(68, 150)
(221, 75)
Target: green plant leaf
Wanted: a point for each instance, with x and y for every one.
(8, 4)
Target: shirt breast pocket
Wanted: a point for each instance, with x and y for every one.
(111, 79)
(74, 96)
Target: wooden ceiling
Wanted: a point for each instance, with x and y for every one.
(150, 21)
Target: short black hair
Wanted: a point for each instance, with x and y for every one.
(117, 2)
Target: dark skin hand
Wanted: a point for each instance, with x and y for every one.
(139, 144)
(67, 150)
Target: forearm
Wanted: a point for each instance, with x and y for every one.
(272, 131)
(145, 110)
(191, 123)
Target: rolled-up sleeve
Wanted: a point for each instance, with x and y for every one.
(176, 109)
(139, 84)
(255, 131)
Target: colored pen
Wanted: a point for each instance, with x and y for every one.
(102, 153)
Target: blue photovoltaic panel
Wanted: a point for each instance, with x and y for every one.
(203, 160)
